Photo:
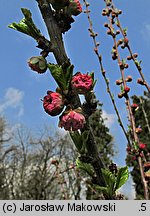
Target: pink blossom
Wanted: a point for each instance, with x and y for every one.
(134, 107)
(75, 7)
(72, 120)
(142, 145)
(126, 89)
(53, 103)
(79, 8)
(140, 81)
(82, 83)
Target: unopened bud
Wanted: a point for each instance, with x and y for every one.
(38, 64)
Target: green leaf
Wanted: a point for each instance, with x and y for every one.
(84, 166)
(122, 89)
(117, 23)
(102, 189)
(123, 61)
(94, 81)
(58, 74)
(110, 180)
(68, 75)
(125, 31)
(122, 177)
(29, 22)
(26, 13)
(34, 60)
(62, 78)
(42, 65)
(26, 25)
(21, 27)
(92, 75)
(135, 144)
(77, 139)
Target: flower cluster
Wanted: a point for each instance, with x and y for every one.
(54, 102)
(70, 120)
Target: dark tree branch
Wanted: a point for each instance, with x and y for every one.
(54, 33)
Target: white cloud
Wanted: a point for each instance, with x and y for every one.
(146, 32)
(109, 119)
(147, 28)
(12, 99)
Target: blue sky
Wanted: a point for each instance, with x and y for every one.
(21, 88)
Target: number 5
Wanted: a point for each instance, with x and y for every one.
(143, 207)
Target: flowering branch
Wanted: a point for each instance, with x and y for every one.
(65, 102)
(61, 58)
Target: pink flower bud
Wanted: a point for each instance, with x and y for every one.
(126, 66)
(135, 55)
(128, 149)
(142, 145)
(134, 107)
(74, 7)
(138, 130)
(120, 95)
(82, 83)
(72, 120)
(38, 64)
(126, 89)
(140, 81)
(128, 79)
(53, 103)
(119, 82)
(126, 40)
(129, 58)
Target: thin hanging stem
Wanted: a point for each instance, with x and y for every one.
(96, 45)
(131, 116)
(131, 53)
